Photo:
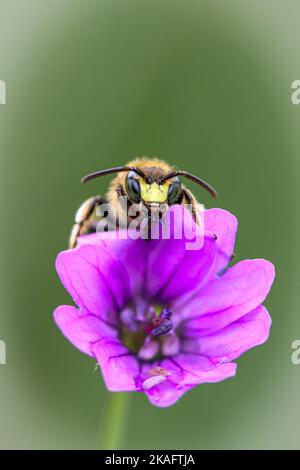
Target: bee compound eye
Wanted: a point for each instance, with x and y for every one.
(174, 192)
(133, 187)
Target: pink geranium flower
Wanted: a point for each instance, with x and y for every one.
(159, 318)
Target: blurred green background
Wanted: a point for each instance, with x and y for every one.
(206, 86)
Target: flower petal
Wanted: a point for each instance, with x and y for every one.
(193, 369)
(166, 393)
(131, 253)
(176, 266)
(225, 299)
(224, 225)
(96, 281)
(166, 267)
(82, 330)
(185, 372)
(119, 367)
(229, 343)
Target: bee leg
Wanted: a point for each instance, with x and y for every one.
(190, 199)
(83, 219)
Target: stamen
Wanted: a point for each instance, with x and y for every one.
(128, 318)
(141, 327)
(141, 310)
(162, 329)
(166, 314)
(149, 349)
(171, 344)
(162, 323)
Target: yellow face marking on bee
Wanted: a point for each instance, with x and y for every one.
(154, 192)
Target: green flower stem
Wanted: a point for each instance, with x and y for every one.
(113, 430)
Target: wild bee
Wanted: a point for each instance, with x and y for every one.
(150, 183)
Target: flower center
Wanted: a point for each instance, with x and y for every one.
(148, 331)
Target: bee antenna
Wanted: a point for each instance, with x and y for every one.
(193, 178)
(108, 171)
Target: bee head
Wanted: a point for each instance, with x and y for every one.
(150, 189)
(152, 185)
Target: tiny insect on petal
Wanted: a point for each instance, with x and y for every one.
(158, 371)
(153, 381)
(156, 375)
